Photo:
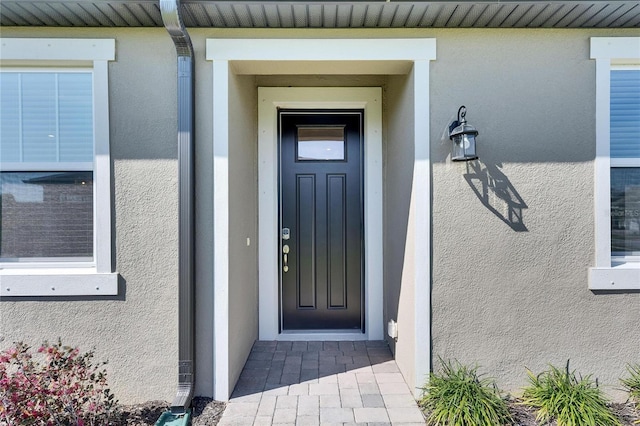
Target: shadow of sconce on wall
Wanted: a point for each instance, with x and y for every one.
(496, 192)
(492, 187)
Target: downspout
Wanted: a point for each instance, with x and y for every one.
(172, 19)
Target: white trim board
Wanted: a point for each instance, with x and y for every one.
(313, 57)
(609, 53)
(57, 278)
(269, 100)
(58, 49)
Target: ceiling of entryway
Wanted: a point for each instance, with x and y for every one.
(331, 14)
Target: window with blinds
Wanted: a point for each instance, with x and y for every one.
(625, 161)
(46, 153)
(625, 113)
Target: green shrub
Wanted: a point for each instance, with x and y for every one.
(458, 396)
(571, 401)
(632, 384)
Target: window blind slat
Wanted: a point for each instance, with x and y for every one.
(625, 113)
(38, 117)
(75, 109)
(9, 117)
(46, 117)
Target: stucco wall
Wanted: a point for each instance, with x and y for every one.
(137, 331)
(243, 223)
(513, 233)
(398, 220)
(511, 242)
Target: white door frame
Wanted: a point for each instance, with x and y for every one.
(270, 99)
(328, 56)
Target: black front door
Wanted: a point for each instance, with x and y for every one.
(321, 219)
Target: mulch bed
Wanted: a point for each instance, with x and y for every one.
(526, 416)
(205, 412)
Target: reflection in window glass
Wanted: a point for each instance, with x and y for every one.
(625, 211)
(46, 215)
(321, 143)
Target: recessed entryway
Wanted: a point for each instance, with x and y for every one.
(235, 62)
(367, 101)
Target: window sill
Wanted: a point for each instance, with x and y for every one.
(621, 277)
(57, 282)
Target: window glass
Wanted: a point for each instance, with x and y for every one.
(625, 211)
(321, 143)
(9, 117)
(46, 215)
(625, 113)
(625, 157)
(46, 117)
(75, 117)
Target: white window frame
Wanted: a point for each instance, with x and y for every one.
(610, 273)
(73, 278)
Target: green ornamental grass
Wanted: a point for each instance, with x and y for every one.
(571, 401)
(632, 383)
(458, 396)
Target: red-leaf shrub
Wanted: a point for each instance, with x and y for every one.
(55, 386)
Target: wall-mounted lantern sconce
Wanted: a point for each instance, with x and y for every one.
(463, 136)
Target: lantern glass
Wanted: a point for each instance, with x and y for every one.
(464, 147)
(458, 148)
(469, 145)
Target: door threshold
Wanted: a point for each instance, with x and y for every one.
(322, 335)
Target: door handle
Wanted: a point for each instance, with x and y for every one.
(285, 258)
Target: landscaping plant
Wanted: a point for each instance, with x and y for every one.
(632, 385)
(570, 400)
(458, 396)
(55, 386)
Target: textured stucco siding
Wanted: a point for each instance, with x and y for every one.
(399, 217)
(136, 331)
(512, 239)
(513, 234)
(243, 223)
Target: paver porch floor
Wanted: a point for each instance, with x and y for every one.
(321, 383)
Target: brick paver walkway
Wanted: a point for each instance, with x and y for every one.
(321, 383)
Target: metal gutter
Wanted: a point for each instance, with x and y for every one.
(172, 19)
